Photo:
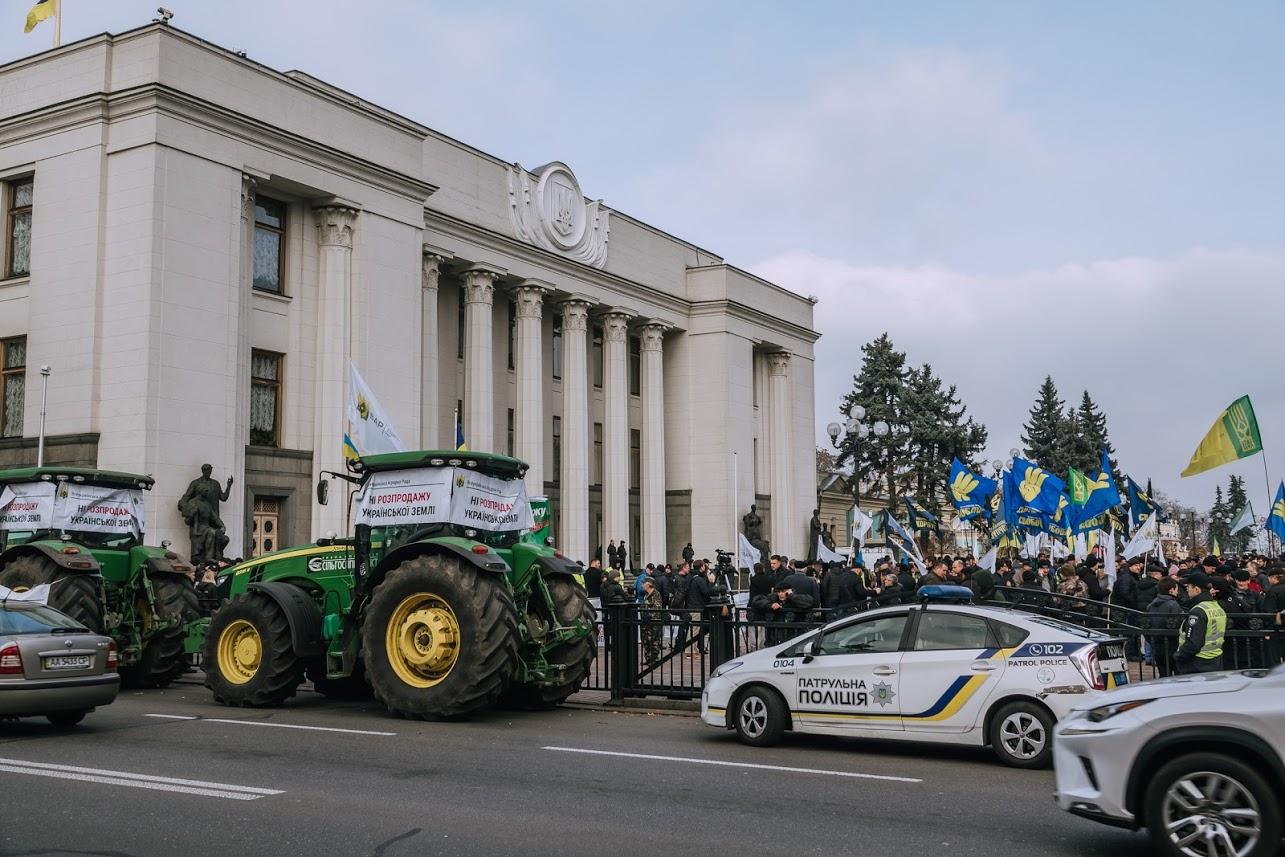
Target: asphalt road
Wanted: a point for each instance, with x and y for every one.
(171, 773)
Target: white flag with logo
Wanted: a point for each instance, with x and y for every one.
(1143, 540)
(746, 553)
(988, 559)
(1108, 557)
(825, 554)
(370, 431)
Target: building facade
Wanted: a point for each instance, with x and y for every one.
(198, 246)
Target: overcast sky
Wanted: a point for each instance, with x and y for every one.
(1009, 189)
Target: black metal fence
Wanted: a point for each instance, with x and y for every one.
(645, 652)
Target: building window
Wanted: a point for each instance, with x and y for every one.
(635, 458)
(13, 379)
(557, 450)
(513, 331)
(269, 240)
(597, 357)
(557, 348)
(597, 453)
(17, 229)
(635, 366)
(265, 532)
(512, 429)
(459, 328)
(265, 398)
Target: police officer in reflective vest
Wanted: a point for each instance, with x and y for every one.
(1200, 640)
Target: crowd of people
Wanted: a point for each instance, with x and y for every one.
(1201, 599)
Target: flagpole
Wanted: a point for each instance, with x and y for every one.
(1267, 480)
(736, 500)
(58, 24)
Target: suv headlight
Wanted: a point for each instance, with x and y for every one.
(726, 668)
(1106, 712)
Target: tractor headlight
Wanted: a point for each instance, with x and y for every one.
(726, 668)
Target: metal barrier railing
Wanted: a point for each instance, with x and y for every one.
(647, 652)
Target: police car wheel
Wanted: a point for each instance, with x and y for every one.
(1022, 735)
(759, 717)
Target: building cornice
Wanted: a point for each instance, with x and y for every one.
(747, 313)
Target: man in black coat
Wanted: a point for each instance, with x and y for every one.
(1274, 604)
(689, 553)
(699, 592)
(784, 607)
(1148, 582)
(760, 584)
(1125, 591)
(613, 594)
(593, 578)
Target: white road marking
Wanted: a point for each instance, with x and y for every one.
(135, 781)
(274, 725)
(785, 768)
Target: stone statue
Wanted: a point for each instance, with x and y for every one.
(199, 507)
(827, 536)
(753, 526)
(814, 533)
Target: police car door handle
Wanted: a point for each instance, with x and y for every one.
(984, 667)
(885, 671)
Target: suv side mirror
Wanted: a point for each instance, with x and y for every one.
(323, 491)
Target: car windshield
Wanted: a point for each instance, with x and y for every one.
(35, 619)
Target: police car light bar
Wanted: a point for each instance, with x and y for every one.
(944, 593)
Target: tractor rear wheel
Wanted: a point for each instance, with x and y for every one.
(163, 658)
(77, 595)
(440, 638)
(249, 658)
(570, 602)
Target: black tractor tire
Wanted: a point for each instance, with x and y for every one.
(570, 602)
(351, 688)
(79, 595)
(277, 674)
(67, 719)
(487, 643)
(163, 658)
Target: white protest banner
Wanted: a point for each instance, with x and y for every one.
(419, 496)
(27, 506)
(98, 509)
(486, 503)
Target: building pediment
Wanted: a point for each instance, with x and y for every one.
(549, 211)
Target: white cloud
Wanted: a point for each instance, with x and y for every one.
(1161, 345)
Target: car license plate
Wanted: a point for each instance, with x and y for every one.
(67, 662)
(1110, 652)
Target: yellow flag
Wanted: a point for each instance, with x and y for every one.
(42, 10)
(1234, 435)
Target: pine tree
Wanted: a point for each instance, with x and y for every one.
(878, 387)
(1074, 449)
(939, 430)
(1236, 499)
(1042, 432)
(1218, 520)
(1093, 424)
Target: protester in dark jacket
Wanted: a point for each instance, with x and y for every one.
(612, 591)
(784, 607)
(593, 578)
(1164, 614)
(1147, 584)
(1125, 591)
(983, 586)
(851, 590)
(688, 553)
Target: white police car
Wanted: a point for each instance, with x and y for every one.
(942, 670)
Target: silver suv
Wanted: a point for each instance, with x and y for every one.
(1197, 760)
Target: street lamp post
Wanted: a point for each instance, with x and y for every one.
(855, 428)
(44, 400)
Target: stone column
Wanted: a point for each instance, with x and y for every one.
(574, 479)
(430, 381)
(784, 537)
(335, 225)
(615, 430)
(479, 372)
(653, 443)
(529, 381)
(233, 513)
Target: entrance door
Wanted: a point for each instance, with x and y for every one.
(266, 526)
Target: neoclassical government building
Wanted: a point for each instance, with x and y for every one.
(198, 246)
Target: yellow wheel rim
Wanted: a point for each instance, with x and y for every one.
(240, 652)
(422, 640)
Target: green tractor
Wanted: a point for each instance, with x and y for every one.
(441, 604)
(81, 532)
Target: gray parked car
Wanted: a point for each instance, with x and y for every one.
(52, 666)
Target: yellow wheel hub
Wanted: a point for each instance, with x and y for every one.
(240, 652)
(422, 639)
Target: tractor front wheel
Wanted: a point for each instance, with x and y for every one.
(163, 658)
(249, 659)
(440, 638)
(570, 603)
(77, 595)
